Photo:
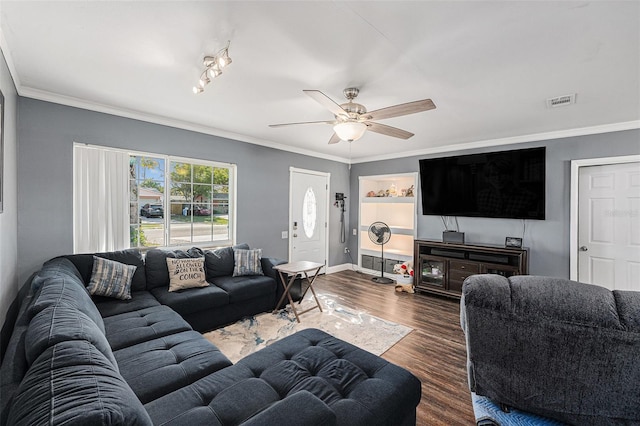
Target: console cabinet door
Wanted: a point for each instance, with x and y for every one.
(459, 271)
(433, 272)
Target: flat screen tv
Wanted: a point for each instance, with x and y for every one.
(506, 184)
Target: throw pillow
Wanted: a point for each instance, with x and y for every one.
(247, 262)
(111, 279)
(186, 273)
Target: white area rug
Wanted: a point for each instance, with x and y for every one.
(356, 327)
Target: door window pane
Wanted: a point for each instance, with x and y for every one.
(309, 212)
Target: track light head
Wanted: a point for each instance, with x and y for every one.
(214, 71)
(213, 68)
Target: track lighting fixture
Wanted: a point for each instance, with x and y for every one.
(213, 68)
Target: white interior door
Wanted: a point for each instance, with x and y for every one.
(609, 225)
(309, 199)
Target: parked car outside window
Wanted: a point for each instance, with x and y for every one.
(201, 211)
(152, 210)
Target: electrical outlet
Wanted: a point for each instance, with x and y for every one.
(355, 231)
(346, 250)
(285, 235)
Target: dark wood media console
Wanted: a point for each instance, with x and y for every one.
(440, 268)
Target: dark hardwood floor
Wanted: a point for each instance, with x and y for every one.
(434, 351)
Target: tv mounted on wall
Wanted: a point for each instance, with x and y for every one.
(506, 184)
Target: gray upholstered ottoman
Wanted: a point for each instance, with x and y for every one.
(326, 380)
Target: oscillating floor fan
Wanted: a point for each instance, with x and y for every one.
(379, 234)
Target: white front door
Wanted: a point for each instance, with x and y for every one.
(309, 198)
(609, 225)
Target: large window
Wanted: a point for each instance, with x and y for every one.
(177, 202)
(173, 202)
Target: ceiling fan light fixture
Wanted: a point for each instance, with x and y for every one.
(350, 131)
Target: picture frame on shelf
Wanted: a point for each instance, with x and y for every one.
(513, 242)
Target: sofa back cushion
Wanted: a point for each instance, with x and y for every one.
(60, 323)
(73, 383)
(65, 290)
(220, 262)
(55, 267)
(84, 264)
(156, 264)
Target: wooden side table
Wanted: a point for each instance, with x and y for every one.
(294, 269)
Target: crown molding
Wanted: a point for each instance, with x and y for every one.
(43, 95)
(534, 137)
(9, 60)
(185, 125)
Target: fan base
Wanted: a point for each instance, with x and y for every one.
(382, 280)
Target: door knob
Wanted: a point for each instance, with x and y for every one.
(583, 248)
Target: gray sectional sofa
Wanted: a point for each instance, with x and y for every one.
(553, 347)
(77, 359)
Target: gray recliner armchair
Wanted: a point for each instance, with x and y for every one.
(554, 347)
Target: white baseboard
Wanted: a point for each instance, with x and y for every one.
(354, 267)
(339, 268)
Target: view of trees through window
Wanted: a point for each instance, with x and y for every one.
(175, 203)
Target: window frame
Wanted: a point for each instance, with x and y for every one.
(166, 201)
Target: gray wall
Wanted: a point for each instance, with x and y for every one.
(46, 135)
(9, 216)
(47, 131)
(548, 240)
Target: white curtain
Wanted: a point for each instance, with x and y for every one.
(100, 199)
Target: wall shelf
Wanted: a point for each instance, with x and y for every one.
(398, 212)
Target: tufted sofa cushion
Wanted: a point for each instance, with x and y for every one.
(160, 366)
(108, 306)
(359, 388)
(143, 325)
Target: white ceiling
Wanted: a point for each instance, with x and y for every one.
(488, 66)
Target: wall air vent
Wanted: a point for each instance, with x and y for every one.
(563, 100)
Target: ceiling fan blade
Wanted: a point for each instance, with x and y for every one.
(303, 122)
(326, 102)
(402, 109)
(334, 139)
(383, 129)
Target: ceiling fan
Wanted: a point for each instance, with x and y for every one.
(352, 119)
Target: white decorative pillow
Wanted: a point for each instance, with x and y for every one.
(111, 279)
(247, 262)
(186, 273)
